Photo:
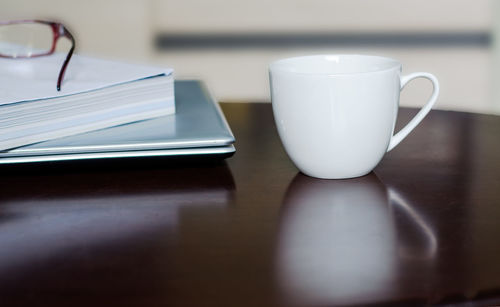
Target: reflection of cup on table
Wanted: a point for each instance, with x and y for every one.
(335, 114)
(339, 242)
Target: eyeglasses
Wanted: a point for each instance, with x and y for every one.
(33, 38)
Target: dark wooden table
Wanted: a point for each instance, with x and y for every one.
(423, 228)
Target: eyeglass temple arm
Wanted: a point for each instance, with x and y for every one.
(68, 57)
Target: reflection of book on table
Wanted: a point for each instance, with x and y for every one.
(97, 220)
(95, 94)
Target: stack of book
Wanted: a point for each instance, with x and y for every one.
(95, 94)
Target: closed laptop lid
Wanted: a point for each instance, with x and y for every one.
(197, 123)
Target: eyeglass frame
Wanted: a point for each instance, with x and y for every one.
(58, 31)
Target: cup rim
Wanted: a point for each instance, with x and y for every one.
(275, 65)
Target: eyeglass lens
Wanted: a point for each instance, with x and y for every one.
(25, 39)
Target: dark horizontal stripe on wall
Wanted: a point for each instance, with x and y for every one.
(445, 39)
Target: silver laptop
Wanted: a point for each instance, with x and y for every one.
(197, 128)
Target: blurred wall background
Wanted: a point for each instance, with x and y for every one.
(229, 43)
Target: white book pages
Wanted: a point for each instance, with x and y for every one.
(96, 94)
(36, 78)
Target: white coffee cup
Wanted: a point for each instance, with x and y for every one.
(336, 114)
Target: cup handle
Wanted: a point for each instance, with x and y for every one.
(398, 137)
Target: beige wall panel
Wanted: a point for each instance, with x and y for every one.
(321, 15)
(242, 75)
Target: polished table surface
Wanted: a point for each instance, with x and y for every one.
(423, 228)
